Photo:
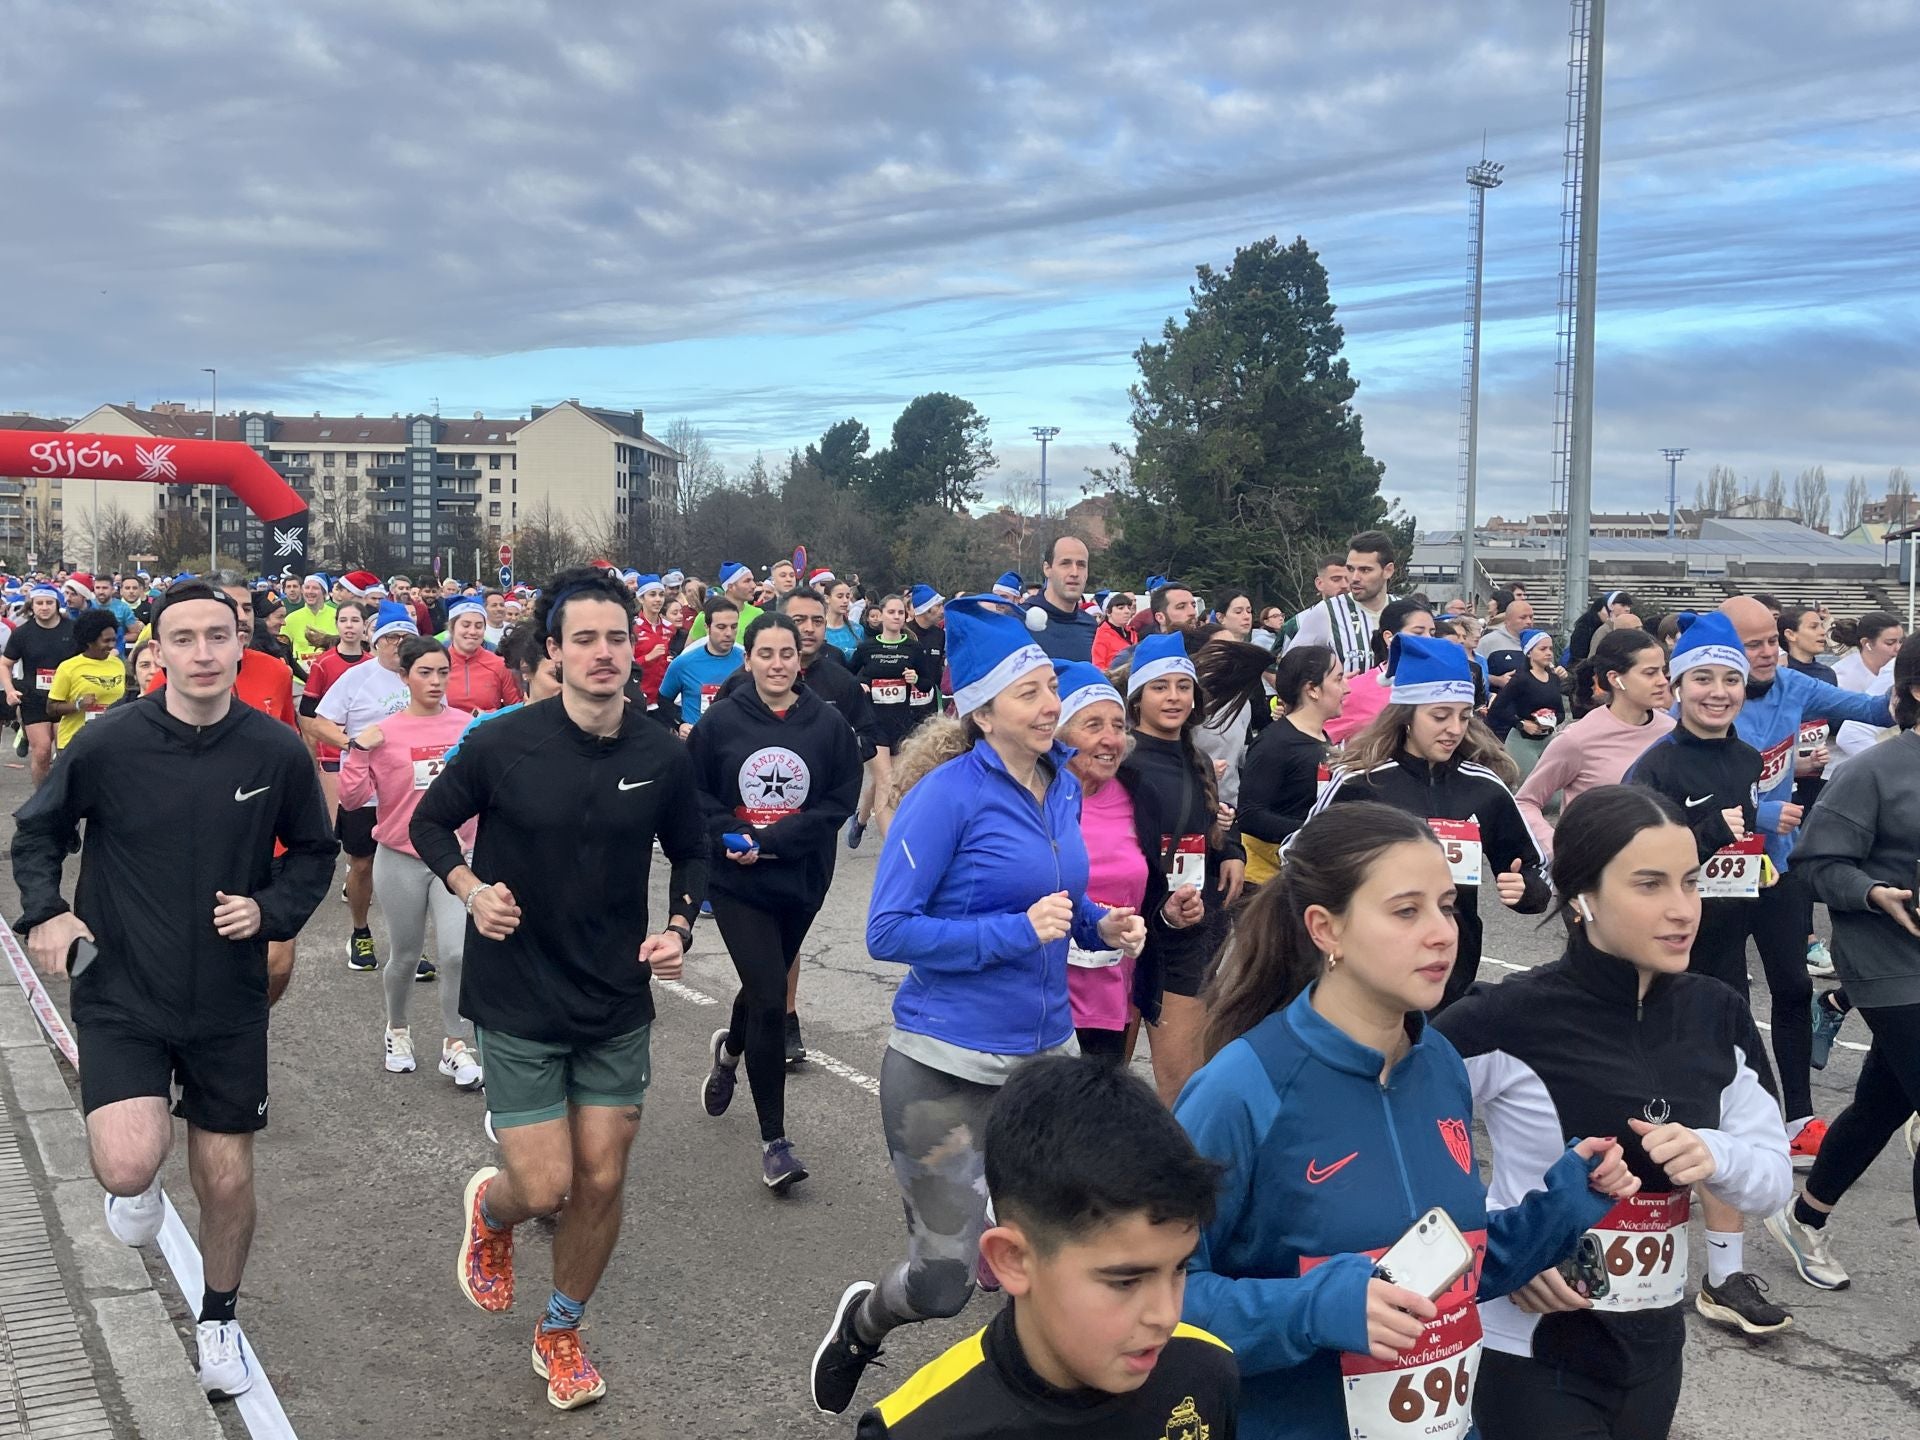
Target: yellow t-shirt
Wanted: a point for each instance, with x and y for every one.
(99, 683)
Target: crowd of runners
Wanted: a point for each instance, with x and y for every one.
(1246, 847)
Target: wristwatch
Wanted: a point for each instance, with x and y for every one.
(686, 936)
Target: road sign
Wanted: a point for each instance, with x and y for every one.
(506, 575)
(506, 556)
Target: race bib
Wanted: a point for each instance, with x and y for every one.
(1461, 841)
(1774, 763)
(1644, 1242)
(428, 762)
(1093, 959)
(1323, 777)
(1545, 719)
(43, 679)
(1187, 864)
(89, 716)
(1734, 873)
(889, 692)
(1813, 735)
(708, 694)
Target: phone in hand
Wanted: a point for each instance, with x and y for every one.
(737, 843)
(1428, 1258)
(1585, 1270)
(82, 953)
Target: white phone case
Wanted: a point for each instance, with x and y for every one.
(1429, 1257)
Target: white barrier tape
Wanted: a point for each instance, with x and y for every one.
(259, 1406)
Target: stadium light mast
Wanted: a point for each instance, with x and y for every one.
(1044, 434)
(1579, 248)
(1480, 179)
(1673, 458)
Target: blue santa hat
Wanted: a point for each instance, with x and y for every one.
(1707, 640)
(1156, 656)
(674, 579)
(1426, 670)
(987, 649)
(1530, 638)
(44, 587)
(1155, 582)
(924, 598)
(732, 570)
(393, 619)
(1082, 685)
(644, 583)
(465, 605)
(1009, 585)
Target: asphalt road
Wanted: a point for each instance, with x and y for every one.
(718, 1292)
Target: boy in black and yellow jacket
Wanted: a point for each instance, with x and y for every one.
(1100, 1198)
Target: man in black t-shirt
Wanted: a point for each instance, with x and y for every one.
(35, 649)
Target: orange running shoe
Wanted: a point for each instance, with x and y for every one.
(560, 1360)
(485, 1266)
(1806, 1145)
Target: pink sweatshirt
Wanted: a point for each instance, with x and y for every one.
(1116, 875)
(1596, 749)
(1366, 697)
(396, 773)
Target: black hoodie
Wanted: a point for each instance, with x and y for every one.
(175, 812)
(1279, 781)
(789, 780)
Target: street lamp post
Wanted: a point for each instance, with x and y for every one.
(1673, 481)
(213, 491)
(1044, 433)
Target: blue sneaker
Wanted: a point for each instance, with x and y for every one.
(1826, 1029)
(706, 908)
(855, 830)
(780, 1167)
(426, 970)
(716, 1091)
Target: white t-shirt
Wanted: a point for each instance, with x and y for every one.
(365, 695)
(1853, 737)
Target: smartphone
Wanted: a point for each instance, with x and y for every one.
(82, 953)
(1585, 1271)
(738, 844)
(1429, 1257)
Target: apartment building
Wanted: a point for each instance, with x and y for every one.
(31, 506)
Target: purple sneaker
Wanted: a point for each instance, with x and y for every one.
(780, 1167)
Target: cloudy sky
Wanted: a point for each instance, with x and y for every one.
(767, 216)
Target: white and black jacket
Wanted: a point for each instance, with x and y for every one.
(1572, 1049)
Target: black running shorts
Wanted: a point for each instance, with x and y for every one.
(223, 1078)
(355, 829)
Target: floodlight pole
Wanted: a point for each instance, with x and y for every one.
(1673, 481)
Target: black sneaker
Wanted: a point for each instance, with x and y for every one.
(360, 954)
(796, 1051)
(426, 970)
(716, 1091)
(1741, 1304)
(843, 1356)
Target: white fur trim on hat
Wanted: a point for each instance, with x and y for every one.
(1142, 675)
(1072, 705)
(1432, 692)
(1727, 655)
(969, 698)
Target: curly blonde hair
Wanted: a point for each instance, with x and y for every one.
(936, 740)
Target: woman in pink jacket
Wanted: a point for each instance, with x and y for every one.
(390, 765)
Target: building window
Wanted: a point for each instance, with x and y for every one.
(493, 509)
(422, 434)
(353, 460)
(493, 485)
(327, 459)
(514, 515)
(516, 484)
(493, 462)
(326, 482)
(256, 430)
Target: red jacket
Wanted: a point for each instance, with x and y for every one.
(1108, 642)
(647, 638)
(480, 682)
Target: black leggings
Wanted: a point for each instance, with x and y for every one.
(1517, 1398)
(1887, 1093)
(764, 945)
(1106, 1046)
(1777, 921)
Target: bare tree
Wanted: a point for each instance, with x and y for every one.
(107, 537)
(1721, 492)
(546, 543)
(1810, 499)
(700, 476)
(1853, 502)
(1899, 497)
(1773, 500)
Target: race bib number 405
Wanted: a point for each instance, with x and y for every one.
(1643, 1240)
(1734, 873)
(1461, 840)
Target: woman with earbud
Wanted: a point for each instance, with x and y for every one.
(1614, 1038)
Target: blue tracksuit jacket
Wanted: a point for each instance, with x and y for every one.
(1771, 724)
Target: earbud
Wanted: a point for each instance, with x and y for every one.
(1586, 910)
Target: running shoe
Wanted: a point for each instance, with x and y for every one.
(486, 1124)
(1806, 1145)
(343, 893)
(20, 741)
(460, 1065)
(485, 1266)
(855, 832)
(843, 1356)
(399, 1051)
(360, 954)
(706, 908)
(1807, 1248)
(796, 1049)
(1819, 960)
(426, 970)
(224, 1372)
(1741, 1304)
(561, 1361)
(1826, 1029)
(716, 1091)
(780, 1168)
(136, 1219)
(1913, 1135)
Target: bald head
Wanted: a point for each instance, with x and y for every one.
(1759, 634)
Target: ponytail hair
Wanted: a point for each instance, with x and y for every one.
(1614, 653)
(1596, 827)
(1299, 670)
(1271, 958)
(1391, 619)
(1870, 626)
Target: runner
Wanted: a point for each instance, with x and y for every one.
(1065, 626)
(736, 582)
(479, 680)
(1231, 675)
(892, 668)
(1287, 765)
(1866, 669)
(1346, 619)
(363, 696)
(1173, 608)
(392, 763)
(1530, 706)
(776, 767)
(1803, 643)
(1115, 635)
(1235, 613)
(525, 651)
(348, 650)
(558, 955)
(1614, 1036)
(694, 678)
(1516, 619)
(653, 645)
(180, 988)
(1598, 748)
(1368, 690)
(841, 633)
(1329, 579)
(87, 685)
(1428, 754)
(33, 653)
(980, 902)
(1341, 1119)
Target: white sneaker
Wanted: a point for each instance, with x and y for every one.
(224, 1371)
(460, 1065)
(1913, 1134)
(1819, 961)
(399, 1052)
(136, 1219)
(1808, 1249)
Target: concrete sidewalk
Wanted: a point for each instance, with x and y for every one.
(87, 1346)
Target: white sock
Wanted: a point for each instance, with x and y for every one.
(1794, 1127)
(1726, 1253)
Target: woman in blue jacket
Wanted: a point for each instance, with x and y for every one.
(981, 884)
(1340, 1119)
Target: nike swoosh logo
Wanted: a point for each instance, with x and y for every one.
(633, 784)
(1318, 1173)
(239, 794)
(1691, 802)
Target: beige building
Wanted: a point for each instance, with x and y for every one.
(31, 506)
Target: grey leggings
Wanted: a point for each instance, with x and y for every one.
(408, 892)
(935, 1125)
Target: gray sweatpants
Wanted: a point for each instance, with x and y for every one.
(408, 893)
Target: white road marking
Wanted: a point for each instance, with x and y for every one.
(831, 1064)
